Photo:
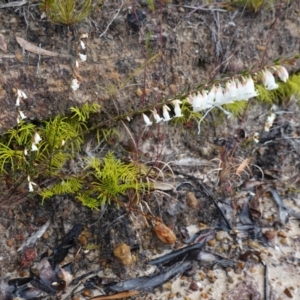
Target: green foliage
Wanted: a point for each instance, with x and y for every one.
(102, 182)
(151, 4)
(112, 178)
(61, 137)
(66, 12)
(284, 91)
(253, 5)
(68, 186)
(236, 108)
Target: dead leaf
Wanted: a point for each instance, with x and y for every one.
(164, 233)
(3, 45)
(117, 296)
(34, 49)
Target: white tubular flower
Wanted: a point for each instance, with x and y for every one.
(22, 116)
(249, 88)
(25, 152)
(177, 108)
(21, 94)
(241, 91)
(200, 101)
(270, 121)
(36, 138)
(282, 73)
(256, 137)
(82, 56)
(75, 84)
(166, 114)
(269, 80)
(230, 93)
(197, 102)
(30, 184)
(211, 96)
(147, 120)
(219, 99)
(156, 116)
(82, 44)
(34, 147)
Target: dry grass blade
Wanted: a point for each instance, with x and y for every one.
(117, 296)
(242, 166)
(3, 45)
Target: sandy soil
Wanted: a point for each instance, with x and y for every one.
(177, 47)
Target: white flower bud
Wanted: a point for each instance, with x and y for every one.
(177, 108)
(74, 84)
(282, 73)
(147, 120)
(156, 116)
(166, 114)
(269, 80)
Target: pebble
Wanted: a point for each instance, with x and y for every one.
(282, 234)
(212, 243)
(191, 200)
(284, 241)
(106, 271)
(194, 286)
(123, 253)
(288, 293)
(222, 235)
(269, 234)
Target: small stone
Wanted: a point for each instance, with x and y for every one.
(82, 240)
(230, 279)
(171, 296)
(123, 253)
(173, 89)
(212, 243)
(282, 234)
(107, 271)
(288, 293)
(10, 242)
(191, 200)
(139, 92)
(222, 235)
(269, 234)
(194, 286)
(284, 241)
(168, 286)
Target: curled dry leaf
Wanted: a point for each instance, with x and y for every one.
(164, 233)
(3, 45)
(34, 49)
